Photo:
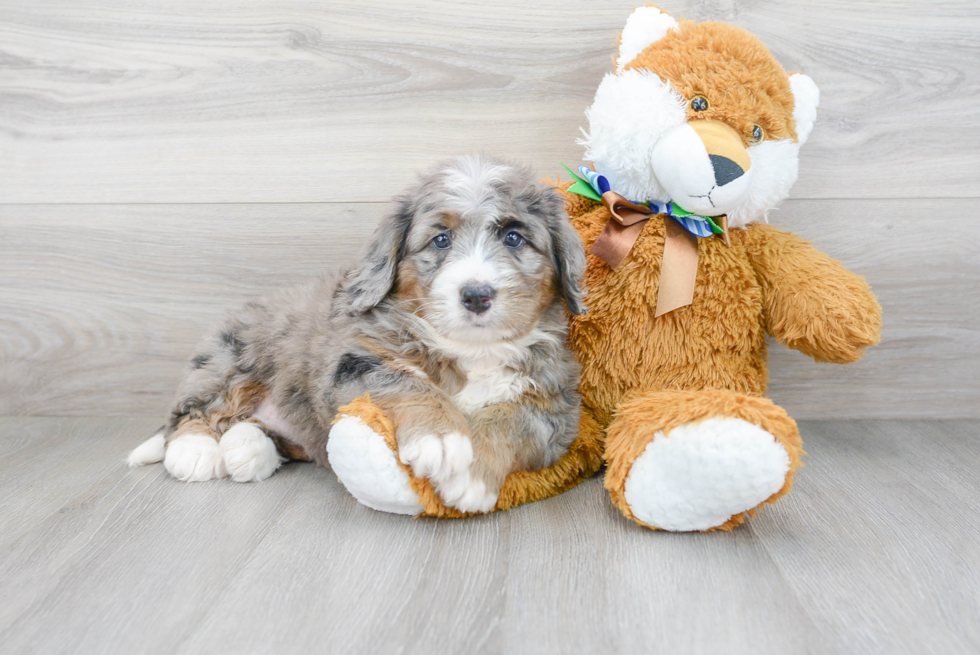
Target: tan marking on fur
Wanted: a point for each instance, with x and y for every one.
(193, 426)
(409, 292)
(451, 220)
(238, 407)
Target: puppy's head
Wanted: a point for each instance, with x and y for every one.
(477, 248)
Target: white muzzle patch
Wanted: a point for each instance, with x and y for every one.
(685, 171)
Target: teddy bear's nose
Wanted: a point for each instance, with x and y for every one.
(725, 169)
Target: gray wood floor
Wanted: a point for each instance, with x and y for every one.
(877, 550)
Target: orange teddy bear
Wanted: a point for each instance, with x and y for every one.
(693, 139)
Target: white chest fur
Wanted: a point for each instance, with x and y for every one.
(492, 370)
(489, 382)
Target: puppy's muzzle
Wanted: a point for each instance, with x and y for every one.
(477, 298)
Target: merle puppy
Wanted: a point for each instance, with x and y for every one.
(453, 319)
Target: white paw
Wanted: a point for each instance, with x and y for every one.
(150, 451)
(466, 493)
(194, 458)
(368, 468)
(438, 458)
(446, 462)
(701, 474)
(248, 452)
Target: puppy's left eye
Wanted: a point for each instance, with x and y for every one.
(757, 134)
(513, 239)
(441, 241)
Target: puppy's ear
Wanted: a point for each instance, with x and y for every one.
(374, 275)
(566, 245)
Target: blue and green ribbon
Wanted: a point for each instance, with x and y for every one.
(592, 185)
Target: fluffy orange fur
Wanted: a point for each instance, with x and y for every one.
(743, 82)
(642, 375)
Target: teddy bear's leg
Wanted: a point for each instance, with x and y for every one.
(699, 460)
(366, 462)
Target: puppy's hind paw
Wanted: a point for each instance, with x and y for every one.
(248, 452)
(194, 458)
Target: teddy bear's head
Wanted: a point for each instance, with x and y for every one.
(700, 114)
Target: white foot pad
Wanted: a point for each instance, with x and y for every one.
(194, 458)
(248, 452)
(369, 469)
(701, 474)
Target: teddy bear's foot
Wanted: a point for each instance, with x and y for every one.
(704, 473)
(369, 468)
(699, 460)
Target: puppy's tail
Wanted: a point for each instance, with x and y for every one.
(150, 451)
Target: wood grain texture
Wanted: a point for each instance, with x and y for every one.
(290, 100)
(102, 305)
(875, 551)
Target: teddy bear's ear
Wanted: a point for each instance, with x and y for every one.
(806, 97)
(644, 26)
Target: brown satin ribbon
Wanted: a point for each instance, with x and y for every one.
(679, 269)
(680, 261)
(622, 231)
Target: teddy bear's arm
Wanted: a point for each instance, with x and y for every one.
(812, 303)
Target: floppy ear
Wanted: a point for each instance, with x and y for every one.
(806, 97)
(373, 277)
(644, 26)
(566, 245)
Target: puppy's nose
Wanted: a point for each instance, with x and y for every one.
(725, 169)
(477, 298)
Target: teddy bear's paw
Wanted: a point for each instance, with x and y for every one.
(702, 473)
(369, 469)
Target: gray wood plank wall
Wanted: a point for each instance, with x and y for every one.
(162, 162)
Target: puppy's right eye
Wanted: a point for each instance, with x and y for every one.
(442, 241)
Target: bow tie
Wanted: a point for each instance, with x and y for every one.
(594, 186)
(680, 259)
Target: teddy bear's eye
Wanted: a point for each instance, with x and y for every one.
(758, 134)
(699, 103)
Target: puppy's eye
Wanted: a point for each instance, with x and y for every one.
(757, 134)
(699, 103)
(513, 239)
(442, 241)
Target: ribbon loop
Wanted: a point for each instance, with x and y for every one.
(622, 230)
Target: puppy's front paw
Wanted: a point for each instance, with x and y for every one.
(467, 493)
(437, 458)
(447, 462)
